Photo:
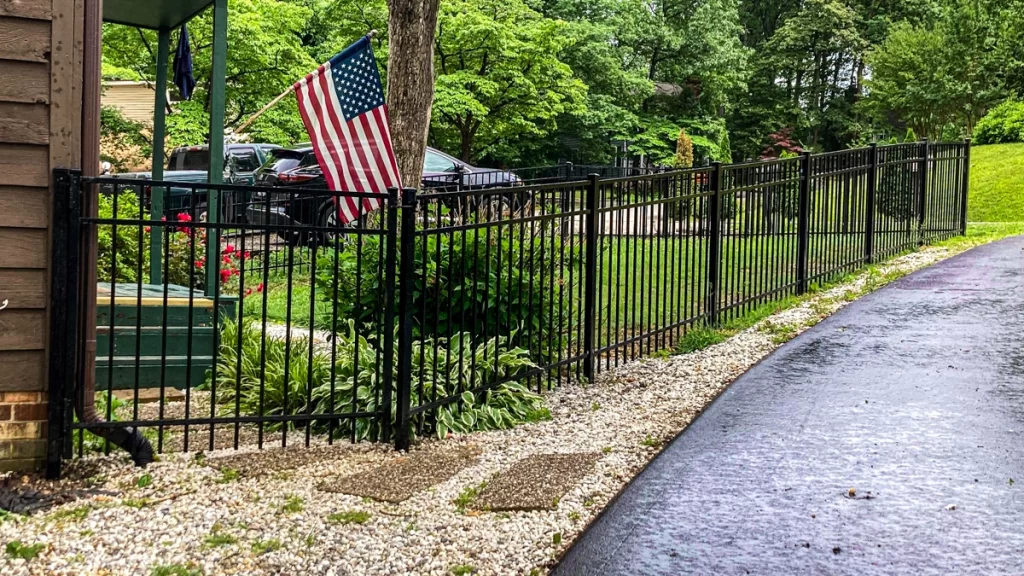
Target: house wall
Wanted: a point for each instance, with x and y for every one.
(135, 100)
(40, 129)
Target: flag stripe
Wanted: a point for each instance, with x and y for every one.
(342, 107)
(313, 127)
(365, 147)
(373, 138)
(348, 208)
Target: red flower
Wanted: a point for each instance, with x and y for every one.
(163, 218)
(260, 287)
(248, 291)
(246, 255)
(225, 275)
(199, 263)
(226, 259)
(229, 249)
(234, 272)
(148, 229)
(184, 217)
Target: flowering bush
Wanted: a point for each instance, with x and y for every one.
(187, 262)
(781, 142)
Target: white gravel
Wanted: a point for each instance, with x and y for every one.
(192, 519)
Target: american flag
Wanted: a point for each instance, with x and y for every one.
(342, 106)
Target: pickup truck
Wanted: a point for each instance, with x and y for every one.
(191, 165)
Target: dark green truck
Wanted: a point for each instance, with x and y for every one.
(191, 165)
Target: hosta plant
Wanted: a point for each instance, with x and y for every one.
(296, 380)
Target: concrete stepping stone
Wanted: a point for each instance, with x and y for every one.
(269, 461)
(399, 479)
(537, 482)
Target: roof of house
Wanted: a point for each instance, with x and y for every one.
(153, 14)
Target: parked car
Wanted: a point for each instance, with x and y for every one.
(297, 167)
(191, 165)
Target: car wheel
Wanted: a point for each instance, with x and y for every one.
(492, 205)
(333, 235)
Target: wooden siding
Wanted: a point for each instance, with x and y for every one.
(135, 101)
(23, 371)
(40, 129)
(24, 207)
(39, 9)
(24, 123)
(24, 82)
(24, 39)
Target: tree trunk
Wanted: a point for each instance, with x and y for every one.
(411, 28)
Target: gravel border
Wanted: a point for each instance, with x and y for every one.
(192, 514)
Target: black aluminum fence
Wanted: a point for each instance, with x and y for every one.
(268, 320)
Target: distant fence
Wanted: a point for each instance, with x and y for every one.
(378, 329)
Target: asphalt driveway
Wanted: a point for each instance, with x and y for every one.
(912, 396)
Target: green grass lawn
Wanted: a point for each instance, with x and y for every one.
(997, 183)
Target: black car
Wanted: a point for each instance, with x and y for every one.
(298, 168)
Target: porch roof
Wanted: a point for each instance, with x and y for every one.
(152, 14)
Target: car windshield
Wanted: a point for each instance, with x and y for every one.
(282, 160)
(245, 159)
(435, 162)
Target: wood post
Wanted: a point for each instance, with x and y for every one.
(216, 174)
(156, 209)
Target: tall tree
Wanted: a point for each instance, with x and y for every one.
(499, 78)
(412, 26)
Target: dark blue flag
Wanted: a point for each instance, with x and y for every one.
(183, 65)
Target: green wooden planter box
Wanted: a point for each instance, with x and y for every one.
(157, 341)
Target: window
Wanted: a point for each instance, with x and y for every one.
(435, 162)
(245, 159)
(281, 160)
(194, 160)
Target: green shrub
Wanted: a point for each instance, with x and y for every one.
(895, 196)
(129, 242)
(448, 366)
(1004, 123)
(684, 151)
(457, 286)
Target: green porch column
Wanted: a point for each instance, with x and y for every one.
(159, 128)
(216, 176)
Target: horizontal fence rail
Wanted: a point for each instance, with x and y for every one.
(228, 315)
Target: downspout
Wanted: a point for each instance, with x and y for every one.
(128, 438)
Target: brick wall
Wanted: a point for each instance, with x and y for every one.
(23, 418)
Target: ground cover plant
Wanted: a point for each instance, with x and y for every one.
(275, 376)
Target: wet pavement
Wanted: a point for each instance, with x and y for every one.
(913, 396)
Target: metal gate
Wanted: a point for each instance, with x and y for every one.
(246, 315)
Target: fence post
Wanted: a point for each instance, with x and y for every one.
(965, 186)
(714, 245)
(390, 273)
(803, 223)
(63, 333)
(406, 279)
(922, 194)
(869, 217)
(590, 277)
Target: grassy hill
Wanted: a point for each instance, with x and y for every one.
(997, 183)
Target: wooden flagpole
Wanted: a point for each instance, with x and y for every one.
(277, 99)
